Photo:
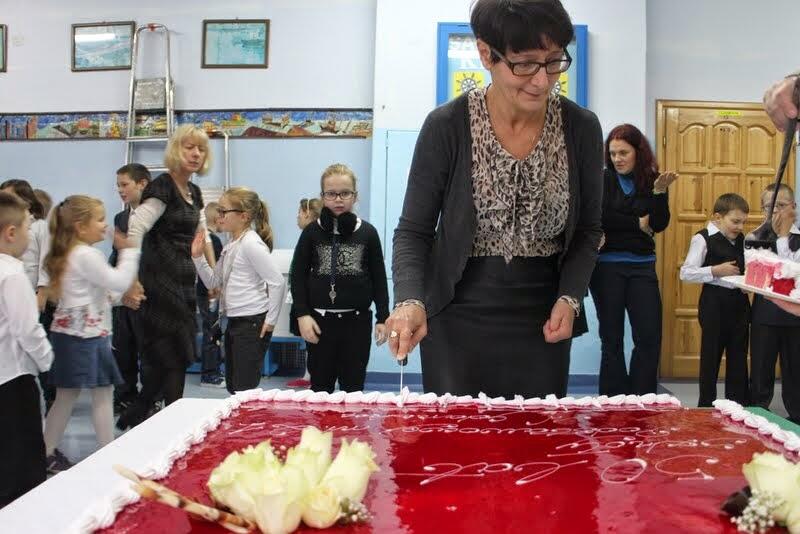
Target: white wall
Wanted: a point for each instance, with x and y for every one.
(320, 55)
(728, 50)
(405, 58)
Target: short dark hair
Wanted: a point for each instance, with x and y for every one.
(729, 202)
(23, 189)
(12, 210)
(519, 25)
(136, 171)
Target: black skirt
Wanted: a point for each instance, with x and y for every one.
(490, 337)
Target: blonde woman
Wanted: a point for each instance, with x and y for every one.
(164, 225)
(251, 286)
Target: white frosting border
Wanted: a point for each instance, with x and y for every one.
(788, 439)
(103, 512)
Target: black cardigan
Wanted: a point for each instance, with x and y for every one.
(621, 215)
(433, 239)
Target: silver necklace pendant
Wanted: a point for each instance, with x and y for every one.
(332, 293)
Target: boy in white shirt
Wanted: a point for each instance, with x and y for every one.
(772, 330)
(715, 252)
(24, 353)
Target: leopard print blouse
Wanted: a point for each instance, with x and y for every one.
(522, 204)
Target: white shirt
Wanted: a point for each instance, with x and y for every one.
(24, 349)
(692, 269)
(254, 285)
(33, 257)
(146, 215)
(88, 285)
(783, 246)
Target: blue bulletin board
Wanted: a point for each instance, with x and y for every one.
(459, 69)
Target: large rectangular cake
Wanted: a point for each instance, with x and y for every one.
(469, 465)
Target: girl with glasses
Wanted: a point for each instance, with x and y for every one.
(251, 286)
(337, 273)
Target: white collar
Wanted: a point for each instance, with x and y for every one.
(712, 229)
(794, 230)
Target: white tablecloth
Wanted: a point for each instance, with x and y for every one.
(55, 505)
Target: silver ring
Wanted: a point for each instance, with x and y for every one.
(393, 334)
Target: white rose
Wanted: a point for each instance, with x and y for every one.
(771, 472)
(322, 507)
(349, 473)
(793, 520)
(241, 476)
(278, 507)
(275, 514)
(307, 461)
(315, 440)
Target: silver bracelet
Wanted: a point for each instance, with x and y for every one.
(415, 302)
(573, 303)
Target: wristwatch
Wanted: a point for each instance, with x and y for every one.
(573, 303)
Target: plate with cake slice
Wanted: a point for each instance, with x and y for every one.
(768, 274)
(739, 281)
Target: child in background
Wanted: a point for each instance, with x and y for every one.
(310, 209)
(337, 273)
(81, 279)
(24, 353)
(724, 311)
(772, 330)
(33, 260)
(126, 341)
(45, 200)
(252, 288)
(211, 354)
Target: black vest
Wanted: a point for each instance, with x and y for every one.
(720, 250)
(765, 312)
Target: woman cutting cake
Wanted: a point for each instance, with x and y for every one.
(501, 221)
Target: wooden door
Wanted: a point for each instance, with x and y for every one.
(717, 148)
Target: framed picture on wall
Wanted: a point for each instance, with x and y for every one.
(3, 46)
(240, 44)
(459, 68)
(102, 46)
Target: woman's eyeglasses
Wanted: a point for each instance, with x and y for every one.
(531, 68)
(223, 212)
(333, 195)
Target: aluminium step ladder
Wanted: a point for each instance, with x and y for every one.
(155, 96)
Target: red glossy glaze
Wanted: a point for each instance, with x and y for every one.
(784, 286)
(473, 469)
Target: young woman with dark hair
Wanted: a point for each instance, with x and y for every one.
(635, 208)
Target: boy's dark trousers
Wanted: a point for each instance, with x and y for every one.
(22, 456)
(774, 332)
(342, 352)
(245, 351)
(127, 347)
(210, 352)
(724, 316)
